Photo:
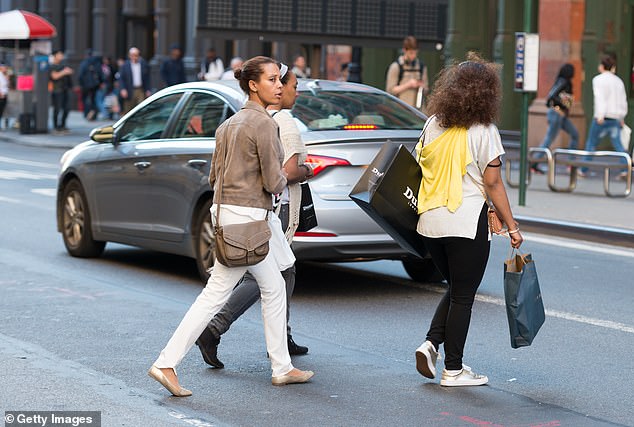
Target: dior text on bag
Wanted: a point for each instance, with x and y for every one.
(239, 245)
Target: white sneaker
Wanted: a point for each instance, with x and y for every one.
(426, 357)
(466, 377)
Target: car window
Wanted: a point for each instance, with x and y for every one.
(150, 121)
(201, 116)
(339, 109)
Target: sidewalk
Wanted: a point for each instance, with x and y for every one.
(79, 130)
(584, 214)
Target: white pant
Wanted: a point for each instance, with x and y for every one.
(213, 297)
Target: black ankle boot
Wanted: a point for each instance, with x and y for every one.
(208, 345)
(294, 349)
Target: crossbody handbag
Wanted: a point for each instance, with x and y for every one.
(240, 245)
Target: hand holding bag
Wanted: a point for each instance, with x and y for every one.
(239, 245)
(524, 305)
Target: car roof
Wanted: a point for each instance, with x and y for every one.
(232, 88)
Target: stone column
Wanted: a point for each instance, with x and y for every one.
(509, 20)
(471, 27)
(192, 47)
(99, 26)
(561, 26)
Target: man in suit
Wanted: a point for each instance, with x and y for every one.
(135, 80)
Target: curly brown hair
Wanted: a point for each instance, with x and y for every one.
(466, 94)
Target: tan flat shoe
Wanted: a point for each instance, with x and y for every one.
(303, 377)
(159, 376)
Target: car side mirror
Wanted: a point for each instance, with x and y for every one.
(103, 134)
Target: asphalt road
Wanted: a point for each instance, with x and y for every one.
(80, 334)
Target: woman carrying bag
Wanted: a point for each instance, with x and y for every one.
(249, 154)
(459, 153)
(246, 293)
(559, 102)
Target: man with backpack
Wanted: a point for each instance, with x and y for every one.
(407, 76)
(90, 78)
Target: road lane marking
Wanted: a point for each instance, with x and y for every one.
(9, 200)
(13, 161)
(573, 244)
(52, 192)
(21, 174)
(608, 324)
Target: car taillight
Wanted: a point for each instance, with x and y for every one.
(319, 163)
(360, 127)
(313, 234)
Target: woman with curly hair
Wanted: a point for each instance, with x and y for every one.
(459, 152)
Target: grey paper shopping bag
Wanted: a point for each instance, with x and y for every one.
(524, 305)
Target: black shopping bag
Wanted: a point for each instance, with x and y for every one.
(388, 190)
(524, 305)
(307, 215)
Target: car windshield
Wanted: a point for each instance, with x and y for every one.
(328, 110)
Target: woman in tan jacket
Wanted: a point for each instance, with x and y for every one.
(246, 293)
(248, 144)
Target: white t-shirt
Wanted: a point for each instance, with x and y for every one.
(485, 145)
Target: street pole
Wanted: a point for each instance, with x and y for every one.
(524, 119)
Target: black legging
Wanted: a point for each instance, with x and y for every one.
(462, 262)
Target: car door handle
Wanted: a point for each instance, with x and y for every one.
(142, 165)
(197, 163)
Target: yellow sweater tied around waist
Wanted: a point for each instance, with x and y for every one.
(443, 162)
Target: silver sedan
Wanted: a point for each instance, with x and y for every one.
(143, 181)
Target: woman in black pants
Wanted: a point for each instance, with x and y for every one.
(459, 152)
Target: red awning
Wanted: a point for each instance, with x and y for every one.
(23, 25)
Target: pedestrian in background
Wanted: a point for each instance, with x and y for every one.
(212, 67)
(4, 90)
(60, 77)
(173, 69)
(610, 109)
(90, 78)
(104, 94)
(236, 64)
(407, 76)
(249, 156)
(247, 292)
(459, 151)
(559, 102)
(300, 69)
(134, 79)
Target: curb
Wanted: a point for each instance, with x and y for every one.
(579, 231)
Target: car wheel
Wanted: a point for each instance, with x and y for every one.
(76, 225)
(422, 270)
(205, 241)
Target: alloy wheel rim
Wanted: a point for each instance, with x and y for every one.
(73, 219)
(207, 244)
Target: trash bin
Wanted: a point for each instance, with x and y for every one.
(27, 123)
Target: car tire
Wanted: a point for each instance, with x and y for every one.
(204, 240)
(422, 270)
(76, 223)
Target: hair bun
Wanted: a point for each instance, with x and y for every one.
(237, 73)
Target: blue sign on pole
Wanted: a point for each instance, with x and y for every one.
(520, 61)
